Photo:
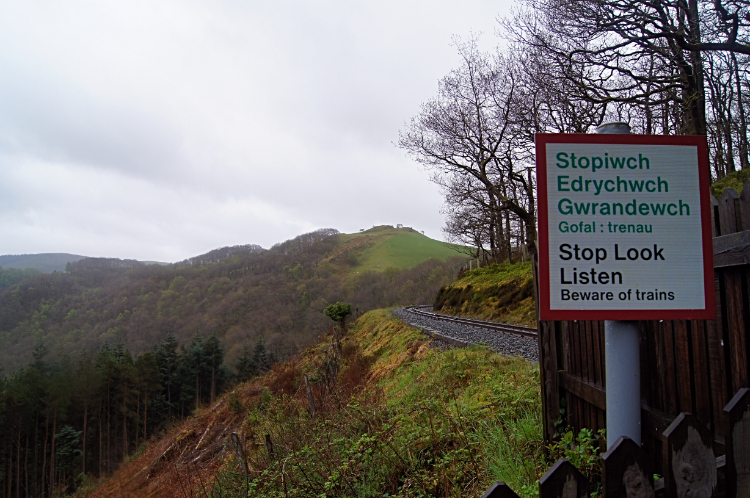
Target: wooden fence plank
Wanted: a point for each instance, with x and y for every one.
(737, 445)
(577, 412)
(732, 249)
(716, 359)
(660, 379)
(715, 228)
(596, 353)
(549, 367)
(701, 373)
(733, 299)
(591, 393)
(745, 206)
(650, 382)
(563, 480)
(728, 211)
(670, 385)
(601, 415)
(683, 364)
(500, 490)
(569, 347)
(579, 350)
(654, 422)
(588, 344)
(584, 412)
(691, 464)
(627, 471)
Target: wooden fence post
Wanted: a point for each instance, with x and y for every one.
(310, 399)
(729, 211)
(500, 490)
(737, 437)
(627, 471)
(269, 446)
(745, 206)
(563, 480)
(240, 454)
(690, 462)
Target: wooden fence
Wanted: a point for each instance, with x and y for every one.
(687, 366)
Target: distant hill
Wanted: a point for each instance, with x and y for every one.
(45, 262)
(242, 294)
(218, 254)
(384, 247)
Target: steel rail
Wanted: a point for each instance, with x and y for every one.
(500, 327)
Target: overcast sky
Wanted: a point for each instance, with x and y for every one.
(162, 130)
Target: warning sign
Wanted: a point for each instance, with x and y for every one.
(624, 227)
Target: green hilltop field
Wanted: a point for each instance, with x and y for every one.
(384, 247)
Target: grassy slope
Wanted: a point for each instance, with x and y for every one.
(382, 247)
(403, 419)
(502, 293)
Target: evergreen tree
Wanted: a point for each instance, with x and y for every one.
(213, 353)
(245, 366)
(68, 454)
(262, 357)
(87, 387)
(149, 385)
(167, 360)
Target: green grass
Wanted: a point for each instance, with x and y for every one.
(422, 423)
(495, 274)
(404, 250)
(733, 180)
(500, 292)
(386, 247)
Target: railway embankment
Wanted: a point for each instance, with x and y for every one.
(497, 292)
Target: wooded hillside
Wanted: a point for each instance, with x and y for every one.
(239, 294)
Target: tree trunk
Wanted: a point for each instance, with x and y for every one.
(26, 467)
(197, 391)
(145, 416)
(137, 420)
(109, 433)
(101, 466)
(507, 231)
(124, 428)
(44, 453)
(35, 477)
(213, 383)
(83, 443)
(18, 462)
(9, 472)
(696, 81)
(52, 455)
(169, 397)
(743, 117)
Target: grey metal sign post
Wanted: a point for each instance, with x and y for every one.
(622, 359)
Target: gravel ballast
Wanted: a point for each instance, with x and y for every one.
(458, 334)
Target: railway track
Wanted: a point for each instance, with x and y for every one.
(499, 327)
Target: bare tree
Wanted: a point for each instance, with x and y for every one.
(466, 136)
(668, 66)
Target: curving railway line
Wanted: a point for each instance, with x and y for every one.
(500, 327)
(506, 339)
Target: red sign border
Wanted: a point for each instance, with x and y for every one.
(545, 313)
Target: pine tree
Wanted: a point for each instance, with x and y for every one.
(167, 359)
(245, 365)
(262, 358)
(213, 353)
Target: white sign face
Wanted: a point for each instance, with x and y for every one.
(624, 228)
